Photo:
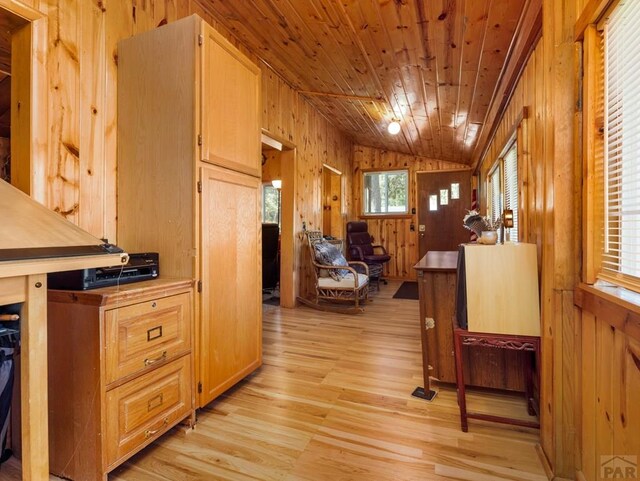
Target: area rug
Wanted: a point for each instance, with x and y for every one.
(271, 300)
(408, 290)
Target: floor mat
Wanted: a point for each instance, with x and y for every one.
(408, 290)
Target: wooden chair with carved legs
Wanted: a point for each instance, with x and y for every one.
(353, 288)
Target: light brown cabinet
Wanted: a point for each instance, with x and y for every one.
(189, 184)
(120, 372)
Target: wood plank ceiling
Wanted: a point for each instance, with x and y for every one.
(432, 64)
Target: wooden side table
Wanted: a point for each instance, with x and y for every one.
(462, 338)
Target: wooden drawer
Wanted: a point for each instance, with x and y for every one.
(140, 335)
(141, 410)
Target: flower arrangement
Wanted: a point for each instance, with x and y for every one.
(477, 223)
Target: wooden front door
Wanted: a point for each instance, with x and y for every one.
(440, 217)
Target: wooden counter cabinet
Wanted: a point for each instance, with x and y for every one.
(120, 372)
(492, 368)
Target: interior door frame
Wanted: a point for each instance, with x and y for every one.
(333, 172)
(417, 194)
(289, 249)
(29, 101)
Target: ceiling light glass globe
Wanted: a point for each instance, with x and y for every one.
(394, 127)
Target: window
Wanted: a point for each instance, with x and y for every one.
(270, 204)
(495, 193)
(503, 188)
(510, 175)
(621, 183)
(386, 192)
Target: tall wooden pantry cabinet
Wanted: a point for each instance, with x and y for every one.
(189, 184)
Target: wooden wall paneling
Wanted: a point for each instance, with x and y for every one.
(289, 262)
(287, 108)
(610, 380)
(550, 417)
(272, 169)
(626, 417)
(605, 356)
(586, 453)
(559, 227)
(269, 100)
(119, 25)
(92, 208)
(64, 107)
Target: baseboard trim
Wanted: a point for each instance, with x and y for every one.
(546, 465)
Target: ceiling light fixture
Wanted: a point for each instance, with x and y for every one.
(394, 127)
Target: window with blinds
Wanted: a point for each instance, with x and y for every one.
(502, 188)
(510, 167)
(621, 250)
(495, 192)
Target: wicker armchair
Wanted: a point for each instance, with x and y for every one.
(353, 288)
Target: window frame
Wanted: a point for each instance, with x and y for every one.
(594, 156)
(500, 165)
(387, 215)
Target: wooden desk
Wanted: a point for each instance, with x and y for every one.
(36, 241)
(25, 281)
(493, 368)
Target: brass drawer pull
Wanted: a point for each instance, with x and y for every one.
(161, 357)
(154, 333)
(150, 432)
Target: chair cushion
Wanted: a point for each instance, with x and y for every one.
(328, 254)
(377, 258)
(345, 282)
(359, 238)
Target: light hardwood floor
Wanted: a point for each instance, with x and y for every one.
(333, 402)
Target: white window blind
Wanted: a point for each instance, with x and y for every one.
(621, 256)
(496, 194)
(511, 188)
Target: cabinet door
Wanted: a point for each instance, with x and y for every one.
(230, 344)
(230, 104)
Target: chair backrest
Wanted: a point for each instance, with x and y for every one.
(270, 256)
(313, 237)
(358, 235)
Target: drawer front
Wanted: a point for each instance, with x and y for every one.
(141, 410)
(147, 333)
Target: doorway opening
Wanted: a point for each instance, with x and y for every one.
(279, 271)
(332, 220)
(10, 23)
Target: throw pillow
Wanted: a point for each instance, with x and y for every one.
(329, 254)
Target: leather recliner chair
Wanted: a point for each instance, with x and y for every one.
(361, 248)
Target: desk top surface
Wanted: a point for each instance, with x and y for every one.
(438, 261)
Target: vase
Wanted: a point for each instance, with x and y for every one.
(488, 237)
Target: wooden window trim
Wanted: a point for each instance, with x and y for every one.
(618, 307)
(592, 13)
(391, 215)
(385, 216)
